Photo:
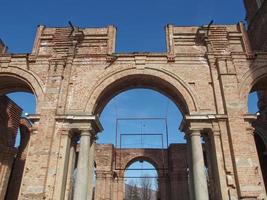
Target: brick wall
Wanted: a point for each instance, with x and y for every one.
(9, 122)
(10, 114)
(19, 163)
(257, 29)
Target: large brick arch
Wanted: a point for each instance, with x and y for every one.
(14, 79)
(250, 82)
(114, 82)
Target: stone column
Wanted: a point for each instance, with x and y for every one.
(71, 167)
(190, 169)
(91, 171)
(210, 165)
(81, 182)
(199, 177)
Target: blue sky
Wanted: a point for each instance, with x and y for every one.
(140, 27)
(140, 23)
(141, 103)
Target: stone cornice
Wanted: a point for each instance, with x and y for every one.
(80, 121)
(75, 121)
(200, 122)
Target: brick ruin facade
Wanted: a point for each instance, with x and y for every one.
(73, 72)
(111, 164)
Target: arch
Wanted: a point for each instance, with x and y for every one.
(17, 79)
(163, 81)
(145, 180)
(129, 156)
(251, 81)
(142, 158)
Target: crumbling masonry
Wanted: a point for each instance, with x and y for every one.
(207, 71)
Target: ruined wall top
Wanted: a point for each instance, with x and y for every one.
(219, 39)
(3, 47)
(58, 42)
(77, 55)
(63, 41)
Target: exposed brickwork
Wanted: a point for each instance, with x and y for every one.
(257, 28)
(112, 163)
(19, 163)
(257, 15)
(10, 118)
(9, 122)
(207, 71)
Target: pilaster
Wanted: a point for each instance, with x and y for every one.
(196, 126)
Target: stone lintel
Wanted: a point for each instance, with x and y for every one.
(79, 122)
(90, 122)
(250, 117)
(200, 122)
(34, 117)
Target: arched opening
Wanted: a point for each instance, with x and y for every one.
(257, 105)
(17, 99)
(141, 181)
(145, 111)
(141, 117)
(170, 86)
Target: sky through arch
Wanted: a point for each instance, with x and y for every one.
(140, 103)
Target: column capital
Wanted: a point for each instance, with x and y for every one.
(192, 129)
(85, 132)
(194, 123)
(194, 132)
(70, 132)
(81, 123)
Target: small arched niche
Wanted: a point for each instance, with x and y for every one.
(141, 180)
